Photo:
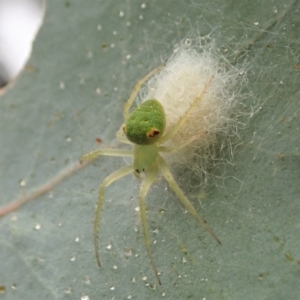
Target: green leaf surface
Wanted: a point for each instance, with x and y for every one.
(85, 61)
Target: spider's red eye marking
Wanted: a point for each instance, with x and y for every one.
(153, 132)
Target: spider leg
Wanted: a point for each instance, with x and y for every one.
(136, 89)
(173, 150)
(122, 137)
(146, 184)
(184, 200)
(107, 181)
(108, 152)
(187, 113)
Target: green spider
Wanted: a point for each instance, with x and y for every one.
(144, 130)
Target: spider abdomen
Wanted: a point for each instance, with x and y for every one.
(146, 123)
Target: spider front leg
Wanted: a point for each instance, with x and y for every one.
(145, 186)
(183, 145)
(106, 152)
(136, 89)
(184, 200)
(107, 181)
(182, 120)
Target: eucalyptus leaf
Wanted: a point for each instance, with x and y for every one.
(86, 59)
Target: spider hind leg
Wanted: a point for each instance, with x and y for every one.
(184, 200)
